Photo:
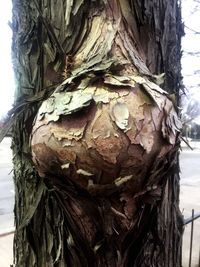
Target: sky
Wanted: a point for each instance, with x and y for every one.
(191, 43)
(191, 52)
(190, 60)
(6, 72)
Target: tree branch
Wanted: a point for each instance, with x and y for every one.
(196, 32)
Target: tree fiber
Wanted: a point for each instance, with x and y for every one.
(104, 186)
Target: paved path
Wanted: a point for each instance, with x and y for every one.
(190, 199)
(6, 187)
(6, 203)
(6, 254)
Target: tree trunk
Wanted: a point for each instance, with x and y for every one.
(59, 47)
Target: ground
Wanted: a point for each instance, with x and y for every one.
(6, 187)
(189, 199)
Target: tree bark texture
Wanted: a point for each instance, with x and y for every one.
(62, 50)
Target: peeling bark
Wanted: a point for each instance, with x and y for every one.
(105, 142)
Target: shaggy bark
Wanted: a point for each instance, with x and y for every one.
(70, 45)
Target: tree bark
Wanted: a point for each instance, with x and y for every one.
(57, 45)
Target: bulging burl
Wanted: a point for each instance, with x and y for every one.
(108, 133)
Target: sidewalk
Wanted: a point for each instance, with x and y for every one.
(6, 204)
(6, 252)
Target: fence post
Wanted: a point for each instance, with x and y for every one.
(191, 238)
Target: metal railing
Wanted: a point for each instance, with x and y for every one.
(191, 221)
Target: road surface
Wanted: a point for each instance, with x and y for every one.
(6, 187)
(190, 199)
